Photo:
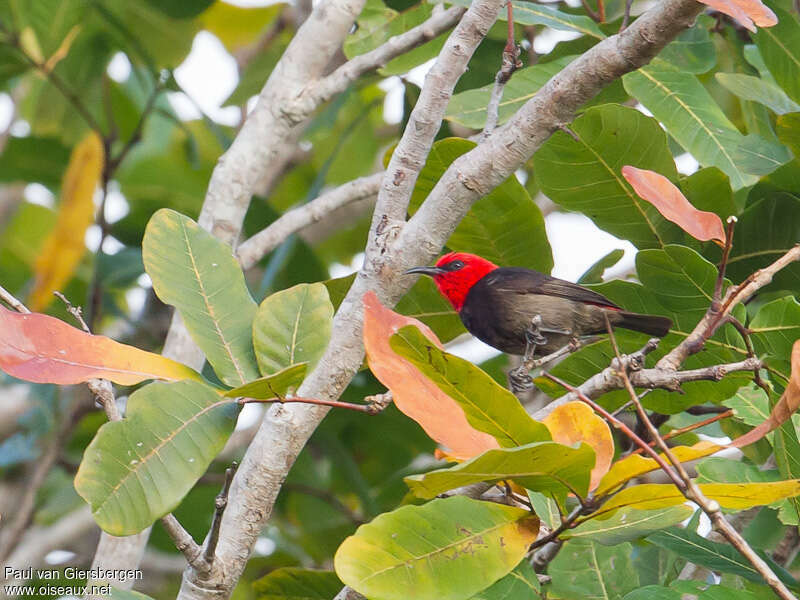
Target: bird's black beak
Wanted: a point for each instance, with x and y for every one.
(430, 271)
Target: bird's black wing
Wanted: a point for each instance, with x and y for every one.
(516, 280)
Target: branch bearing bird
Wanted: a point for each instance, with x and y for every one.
(521, 311)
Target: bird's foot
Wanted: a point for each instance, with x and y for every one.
(519, 380)
(533, 335)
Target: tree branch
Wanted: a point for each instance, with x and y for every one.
(266, 240)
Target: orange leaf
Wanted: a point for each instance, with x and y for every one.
(64, 247)
(414, 394)
(673, 205)
(43, 349)
(783, 410)
(745, 11)
(575, 422)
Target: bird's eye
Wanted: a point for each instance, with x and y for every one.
(456, 265)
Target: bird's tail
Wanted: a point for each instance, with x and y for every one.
(649, 324)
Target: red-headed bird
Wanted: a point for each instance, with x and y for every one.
(521, 311)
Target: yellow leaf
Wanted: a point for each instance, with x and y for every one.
(575, 422)
(729, 495)
(30, 45)
(64, 247)
(236, 26)
(635, 465)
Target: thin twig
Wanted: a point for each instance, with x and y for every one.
(510, 63)
(220, 502)
(370, 409)
(692, 492)
(596, 16)
(185, 543)
(627, 16)
(136, 136)
(723, 265)
(676, 432)
(75, 311)
(9, 299)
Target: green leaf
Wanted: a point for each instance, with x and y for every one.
(448, 549)
(750, 405)
(197, 274)
(120, 594)
(293, 326)
(271, 386)
(776, 327)
(584, 174)
(780, 48)
(488, 406)
(293, 583)
(693, 50)
(687, 110)
(504, 226)
(712, 555)
(758, 90)
(766, 230)
(140, 468)
(653, 592)
(594, 274)
(522, 582)
(469, 108)
(628, 524)
(583, 569)
(50, 21)
(788, 130)
(181, 9)
(34, 159)
(545, 467)
(758, 156)
(528, 13)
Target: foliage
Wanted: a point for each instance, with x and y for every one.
(92, 153)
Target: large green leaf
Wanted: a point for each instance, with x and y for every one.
(758, 156)
(758, 90)
(766, 230)
(293, 326)
(271, 386)
(584, 174)
(522, 582)
(628, 524)
(584, 569)
(545, 467)
(197, 274)
(469, 108)
(780, 48)
(528, 13)
(693, 50)
(34, 159)
(776, 327)
(293, 583)
(448, 549)
(488, 406)
(140, 468)
(505, 226)
(691, 116)
(712, 555)
(49, 22)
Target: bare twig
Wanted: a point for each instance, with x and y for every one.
(627, 16)
(723, 265)
(510, 63)
(597, 16)
(251, 251)
(370, 409)
(184, 542)
(220, 503)
(9, 299)
(75, 311)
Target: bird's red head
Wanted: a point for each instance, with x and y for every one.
(455, 274)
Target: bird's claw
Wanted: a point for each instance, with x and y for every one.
(520, 380)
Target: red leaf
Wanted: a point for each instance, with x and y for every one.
(43, 349)
(414, 394)
(745, 11)
(673, 205)
(783, 410)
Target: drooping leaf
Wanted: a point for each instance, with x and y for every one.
(583, 174)
(689, 113)
(43, 349)
(594, 274)
(636, 465)
(271, 386)
(780, 48)
(759, 90)
(293, 326)
(673, 205)
(414, 394)
(448, 549)
(628, 524)
(723, 558)
(575, 422)
(584, 569)
(138, 469)
(293, 583)
(197, 273)
(783, 409)
(650, 496)
(546, 467)
(505, 226)
(747, 12)
(65, 245)
(488, 406)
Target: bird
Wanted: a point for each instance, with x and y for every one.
(521, 311)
